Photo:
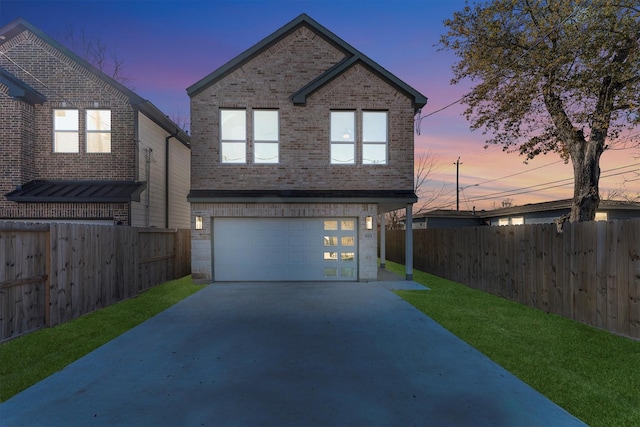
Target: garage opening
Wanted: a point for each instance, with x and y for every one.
(285, 249)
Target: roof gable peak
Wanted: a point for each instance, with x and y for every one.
(352, 55)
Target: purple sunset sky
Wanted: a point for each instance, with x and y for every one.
(169, 45)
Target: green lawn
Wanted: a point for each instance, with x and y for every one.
(593, 374)
(28, 359)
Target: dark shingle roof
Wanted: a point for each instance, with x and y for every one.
(77, 192)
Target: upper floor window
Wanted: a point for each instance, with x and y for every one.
(343, 130)
(65, 131)
(265, 136)
(233, 136)
(98, 131)
(374, 137)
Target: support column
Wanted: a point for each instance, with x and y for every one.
(383, 247)
(408, 250)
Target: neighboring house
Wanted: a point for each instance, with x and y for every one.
(77, 146)
(297, 145)
(534, 213)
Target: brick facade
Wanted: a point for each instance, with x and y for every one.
(266, 78)
(68, 82)
(304, 130)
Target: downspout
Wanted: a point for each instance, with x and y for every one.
(136, 162)
(166, 177)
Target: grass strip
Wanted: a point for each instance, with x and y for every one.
(31, 358)
(591, 373)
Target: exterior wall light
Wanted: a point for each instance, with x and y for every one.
(198, 223)
(369, 223)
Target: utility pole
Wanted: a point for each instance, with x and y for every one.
(458, 184)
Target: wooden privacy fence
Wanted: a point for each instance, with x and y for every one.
(52, 273)
(590, 272)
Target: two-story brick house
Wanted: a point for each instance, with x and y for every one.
(77, 146)
(297, 145)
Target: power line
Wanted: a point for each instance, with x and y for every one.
(547, 185)
(537, 187)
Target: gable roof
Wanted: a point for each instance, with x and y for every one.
(352, 56)
(20, 25)
(19, 89)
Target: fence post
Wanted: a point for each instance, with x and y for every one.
(409, 242)
(47, 281)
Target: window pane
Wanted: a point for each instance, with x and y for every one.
(348, 241)
(99, 120)
(374, 126)
(343, 153)
(266, 152)
(234, 152)
(347, 272)
(331, 256)
(330, 240)
(330, 272)
(66, 119)
(66, 142)
(265, 125)
(343, 125)
(348, 225)
(374, 154)
(601, 216)
(233, 125)
(99, 142)
(347, 256)
(331, 225)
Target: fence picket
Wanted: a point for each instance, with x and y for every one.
(51, 273)
(590, 272)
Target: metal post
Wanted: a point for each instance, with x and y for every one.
(383, 249)
(458, 185)
(409, 242)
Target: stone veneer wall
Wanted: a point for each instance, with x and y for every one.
(201, 261)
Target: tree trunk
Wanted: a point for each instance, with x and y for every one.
(586, 173)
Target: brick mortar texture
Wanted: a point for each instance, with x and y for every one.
(69, 85)
(267, 81)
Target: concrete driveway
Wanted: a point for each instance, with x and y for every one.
(278, 354)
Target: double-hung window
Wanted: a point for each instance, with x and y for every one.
(98, 131)
(265, 136)
(65, 131)
(233, 136)
(374, 137)
(343, 146)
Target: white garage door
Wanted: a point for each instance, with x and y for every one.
(284, 249)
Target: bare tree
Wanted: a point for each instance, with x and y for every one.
(506, 203)
(181, 119)
(426, 163)
(622, 194)
(96, 52)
